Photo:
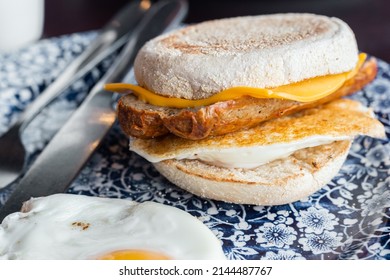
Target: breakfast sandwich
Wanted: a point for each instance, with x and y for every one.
(249, 110)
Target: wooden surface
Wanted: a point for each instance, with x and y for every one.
(369, 19)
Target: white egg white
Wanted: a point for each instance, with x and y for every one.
(66, 226)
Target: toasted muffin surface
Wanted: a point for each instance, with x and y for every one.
(256, 51)
(279, 182)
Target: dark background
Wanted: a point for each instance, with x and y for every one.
(370, 19)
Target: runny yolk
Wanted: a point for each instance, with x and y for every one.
(134, 255)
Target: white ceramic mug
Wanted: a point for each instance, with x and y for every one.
(21, 23)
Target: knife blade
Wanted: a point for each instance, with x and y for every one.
(62, 159)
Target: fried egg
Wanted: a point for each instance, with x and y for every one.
(66, 226)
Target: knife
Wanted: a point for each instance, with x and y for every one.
(62, 159)
(110, 39)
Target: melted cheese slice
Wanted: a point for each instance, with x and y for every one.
(306, 91)
(341, 119)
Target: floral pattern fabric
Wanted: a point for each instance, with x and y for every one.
(347, 219)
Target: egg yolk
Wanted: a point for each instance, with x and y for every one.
(134, 255)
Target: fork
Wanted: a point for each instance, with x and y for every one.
(112, 37)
